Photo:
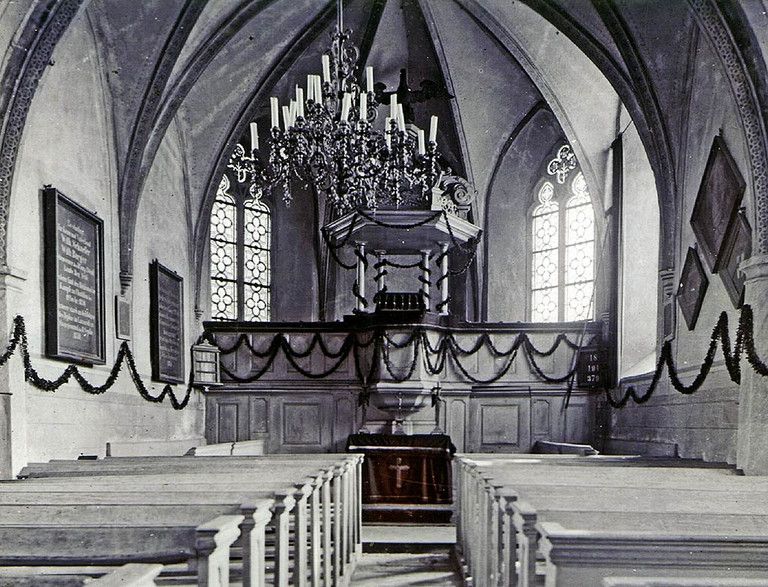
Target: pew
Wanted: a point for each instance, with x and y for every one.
(128, 575)
(349, 485)
(517, 498)
(211, 480)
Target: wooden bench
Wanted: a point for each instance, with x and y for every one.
(129, 575)
(138, 448)
(490, 489)
(328, 509)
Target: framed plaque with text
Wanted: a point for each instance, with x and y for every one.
(73, 280)
(166, 324)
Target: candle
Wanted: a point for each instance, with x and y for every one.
(420, 135)
(254, 137)
(363, 106)
(310, 88)
(286, 117)
(326, 68)
(393, 106)
(275, 112)
(369, 78)
(300, 101)
(346, 103)
(387, 134)
(400, 118)
(433, 130)
(318, 88)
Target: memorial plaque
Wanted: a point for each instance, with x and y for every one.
(166, 324)
(74, 280)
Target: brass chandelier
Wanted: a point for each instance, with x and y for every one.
(329, 142)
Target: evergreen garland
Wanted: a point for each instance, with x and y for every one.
(124, 355)
(745, 342)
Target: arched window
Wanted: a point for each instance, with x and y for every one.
(240, 250)
(562, 245)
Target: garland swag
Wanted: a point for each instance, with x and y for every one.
(434, 357)
(124, 355)
(745, 342)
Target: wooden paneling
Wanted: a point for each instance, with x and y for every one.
(302, 424)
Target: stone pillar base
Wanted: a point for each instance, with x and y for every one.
(751, 453)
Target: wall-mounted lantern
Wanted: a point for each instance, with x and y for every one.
(205, 358)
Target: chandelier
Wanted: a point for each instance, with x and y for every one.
(328, 140)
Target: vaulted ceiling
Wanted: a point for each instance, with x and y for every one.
(208, 67)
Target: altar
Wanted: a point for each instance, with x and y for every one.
(406, 478)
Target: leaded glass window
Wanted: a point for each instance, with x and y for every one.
(562, 247)
(240, 254)
(545, 257)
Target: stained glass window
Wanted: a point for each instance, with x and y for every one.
(240, 254)
(562, 250)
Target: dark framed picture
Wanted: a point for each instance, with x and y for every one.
(166, 290)
(717, 202)
(692, 289)
(74, 280)
(738, 247)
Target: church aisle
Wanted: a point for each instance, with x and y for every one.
(403, 569)
(408, 554)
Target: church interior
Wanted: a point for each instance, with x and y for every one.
(490, 266)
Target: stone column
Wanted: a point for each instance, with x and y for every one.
(13, 420)
(751, 455)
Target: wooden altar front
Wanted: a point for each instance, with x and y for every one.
(405, 478)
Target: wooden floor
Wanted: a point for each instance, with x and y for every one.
(396, 556)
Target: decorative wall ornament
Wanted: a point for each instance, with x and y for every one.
(737, 248)
(39, 57)
(709, 18)
(721, 190)
(692, 288)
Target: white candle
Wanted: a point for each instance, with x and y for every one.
(254, 137)
(326, 68)
(310, 88)
(400, 118)
(286, 117)
(318, 88)
(363, 106)
(369, 78)
(393, 106)
(387, 134)
(433, 130)
(275, 112)
(300, 101)
(420, 135)
(346, 104)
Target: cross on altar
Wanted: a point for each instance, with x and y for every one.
(398, 468)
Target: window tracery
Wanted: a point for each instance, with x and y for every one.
(562, 246)
(240, 254)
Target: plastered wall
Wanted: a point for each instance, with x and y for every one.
(67, 142)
